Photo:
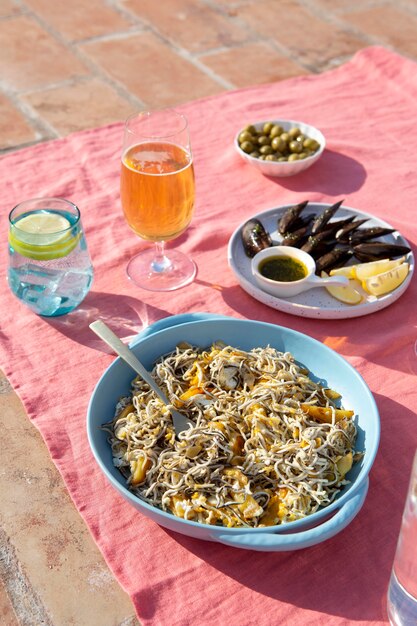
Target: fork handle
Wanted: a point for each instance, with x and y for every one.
(112, 340)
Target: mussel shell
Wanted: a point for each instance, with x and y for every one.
(320, 250)
(375, 250)
(323, 217)
(345, 232)
(366, 234)
(254, 237)
(337, 225)
(296, 238)
(323, 239)
(335, 258)
(300, 222)
(290, 216)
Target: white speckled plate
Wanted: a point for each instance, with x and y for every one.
(316, 303)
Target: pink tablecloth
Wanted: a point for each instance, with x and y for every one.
(367, 110)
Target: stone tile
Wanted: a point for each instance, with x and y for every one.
(84, 104)
(389, 25)
(31, 58)
(52, 571)
(338, 6)
(190, 24)
(229, 6)
(80, 19)
(409, 4)
(14, 129)
(7, 615)
(9, 8)
(151, 70)
(310, 40)
(251, 64)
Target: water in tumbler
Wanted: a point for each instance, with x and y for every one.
(49, 265)
(402, 592)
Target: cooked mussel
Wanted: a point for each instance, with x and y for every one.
(323, 241)
(254, 237)
(296, 237)
(365, 234)
(335, 258)
(300, 222)
(375, 250)
(330, 243)
(323, 217)
(338, 225)
(290, 216)
(346, 231)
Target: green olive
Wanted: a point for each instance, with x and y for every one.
(263, 140)
(279, 144)
(294, 132)
(245, 136)
(275, 131)
(311, 144)
(273, 143)
(295, 146)
(247, 146)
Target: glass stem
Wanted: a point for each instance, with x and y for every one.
(161, 263)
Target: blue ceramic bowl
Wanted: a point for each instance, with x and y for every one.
(324, 364)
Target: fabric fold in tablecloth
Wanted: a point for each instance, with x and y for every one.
(367, 111)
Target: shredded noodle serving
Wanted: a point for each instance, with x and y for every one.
(268, 446)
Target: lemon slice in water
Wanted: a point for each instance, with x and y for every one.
(43, 235)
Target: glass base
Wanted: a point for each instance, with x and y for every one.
(171, 271)
(402, 606)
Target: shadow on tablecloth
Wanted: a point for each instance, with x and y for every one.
(317, 578)
(125, 315)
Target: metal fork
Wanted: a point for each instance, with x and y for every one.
(181, 422)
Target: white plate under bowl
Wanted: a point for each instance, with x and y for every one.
(315, 303)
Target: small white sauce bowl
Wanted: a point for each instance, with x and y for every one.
(282, 289)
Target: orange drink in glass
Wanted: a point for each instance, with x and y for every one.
(157, 193)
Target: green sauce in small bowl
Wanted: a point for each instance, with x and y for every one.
(283, 269)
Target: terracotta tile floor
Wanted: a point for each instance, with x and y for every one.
(111, 57)
(73, 64)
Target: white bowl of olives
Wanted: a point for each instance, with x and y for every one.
(280, 147)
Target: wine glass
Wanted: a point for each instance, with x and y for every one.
(157, 193)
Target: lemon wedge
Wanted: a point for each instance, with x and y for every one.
(43, 235)
(386, 281)
(367, 270)
(347, 295)
(346, 270)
